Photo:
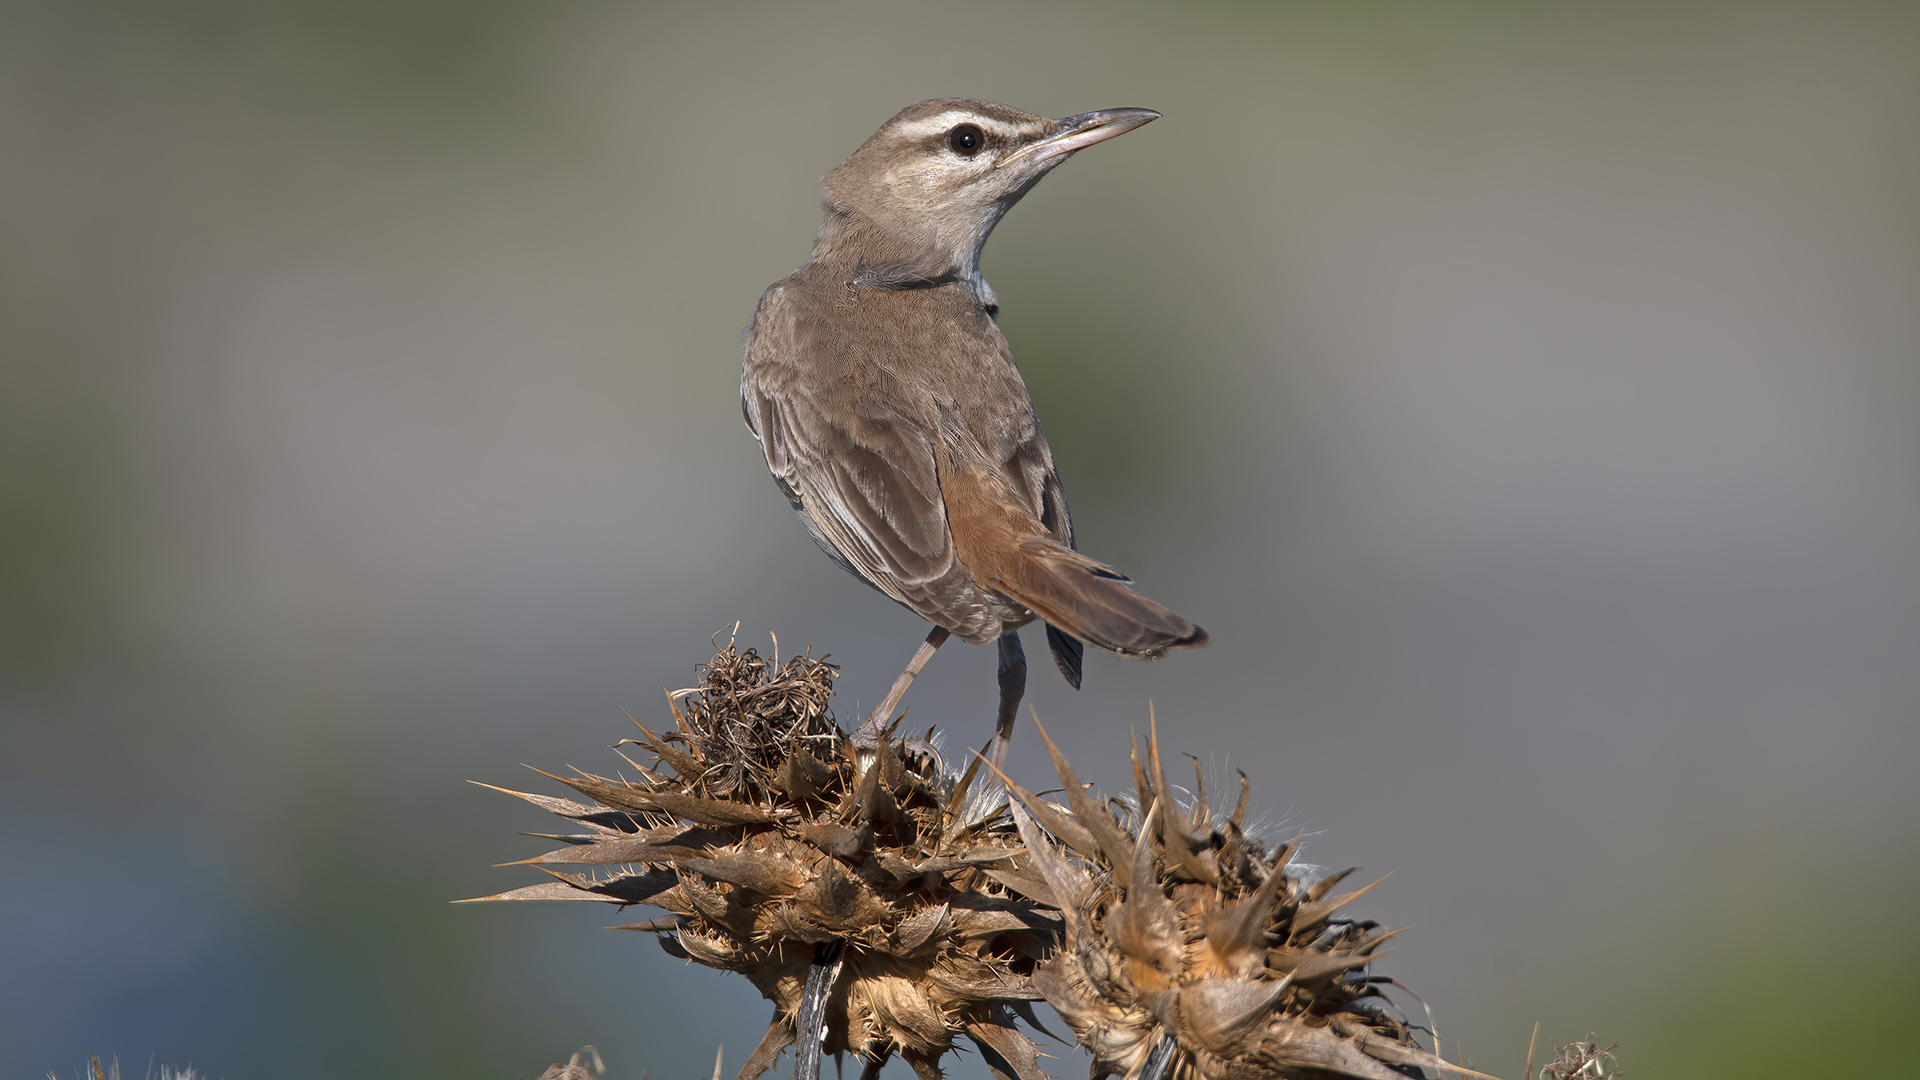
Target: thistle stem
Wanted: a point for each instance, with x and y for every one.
(1160, 1059)
(810, 1026)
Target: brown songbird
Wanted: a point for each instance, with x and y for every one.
(893, 418)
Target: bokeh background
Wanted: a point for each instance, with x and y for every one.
(1526, 396)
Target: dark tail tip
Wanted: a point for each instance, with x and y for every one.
(1069, 654)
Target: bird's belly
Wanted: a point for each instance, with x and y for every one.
(1013, 616)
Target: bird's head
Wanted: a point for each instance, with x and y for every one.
(935, 179)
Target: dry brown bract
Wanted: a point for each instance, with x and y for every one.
(766, 833)
(1178, 926)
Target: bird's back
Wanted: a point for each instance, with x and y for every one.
(858, 394)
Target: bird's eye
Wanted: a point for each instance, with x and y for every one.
(966, 140)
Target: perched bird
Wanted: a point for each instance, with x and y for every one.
(892, 416)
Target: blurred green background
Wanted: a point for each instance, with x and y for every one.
(1526, 396)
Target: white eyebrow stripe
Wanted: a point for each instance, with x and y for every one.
(939, 123)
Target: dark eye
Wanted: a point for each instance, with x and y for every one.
(966, 140)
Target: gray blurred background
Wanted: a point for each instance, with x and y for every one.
(1525, 396)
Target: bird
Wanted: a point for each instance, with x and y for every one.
(887, 404)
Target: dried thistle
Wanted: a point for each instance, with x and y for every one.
(1188, 952)
(781, 849)
(577, 1067)
(1579, 1061)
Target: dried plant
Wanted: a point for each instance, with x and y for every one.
(577, 1067)
(781, 849)
(94, 1070)
(1189, 952)
(111, 1071)
(1578, 1061)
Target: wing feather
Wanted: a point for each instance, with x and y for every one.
(862, 476)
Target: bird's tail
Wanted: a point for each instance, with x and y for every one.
(1005, 548)
(1089, 600)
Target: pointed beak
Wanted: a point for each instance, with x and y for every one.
(1078, 133)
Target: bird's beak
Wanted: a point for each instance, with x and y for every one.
(1078, 133)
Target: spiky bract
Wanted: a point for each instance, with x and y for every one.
(1178, 926)
(767, 833)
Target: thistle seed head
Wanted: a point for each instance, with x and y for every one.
(763, 834)
(1579, 1060)
(1183, 935)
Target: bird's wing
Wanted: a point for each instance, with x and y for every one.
(859, 466)
(1035, 483)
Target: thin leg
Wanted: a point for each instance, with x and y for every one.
(878, 719)
(1013, 687)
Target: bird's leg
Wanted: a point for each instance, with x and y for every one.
(1013, 687)
(878, 719)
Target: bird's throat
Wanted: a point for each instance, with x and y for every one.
(877, 257)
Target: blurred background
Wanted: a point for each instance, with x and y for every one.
(1527, 398)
